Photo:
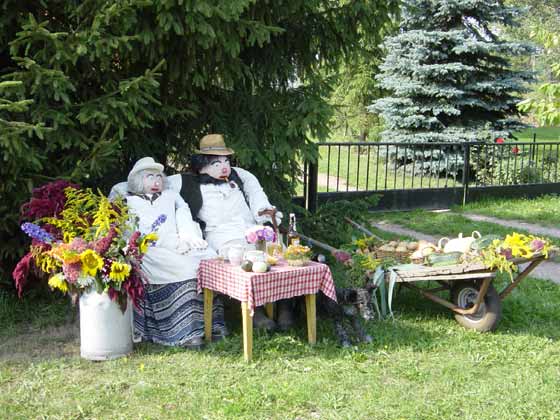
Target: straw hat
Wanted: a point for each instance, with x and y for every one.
(146, 163)
(213, 144)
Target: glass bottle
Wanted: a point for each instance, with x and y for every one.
(293, 236)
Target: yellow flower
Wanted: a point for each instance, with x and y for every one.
(91, 262)
(57, 282)
(119, 271)
(145, 243)
(519, 245)
(297, 251)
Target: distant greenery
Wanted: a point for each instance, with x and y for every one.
(543, 210)
(543, 134)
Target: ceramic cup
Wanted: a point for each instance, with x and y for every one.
(235, 254)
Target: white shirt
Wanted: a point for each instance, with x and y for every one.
(226, 213)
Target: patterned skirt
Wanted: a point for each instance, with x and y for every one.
(173, 313)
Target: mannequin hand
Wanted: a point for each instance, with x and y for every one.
(187, 243)
(267, 212)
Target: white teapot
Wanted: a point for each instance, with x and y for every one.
(459, 244)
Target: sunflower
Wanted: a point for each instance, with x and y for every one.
(57, 282)
(519, 245)
(91, 262)
(146, 241)
(119, 271)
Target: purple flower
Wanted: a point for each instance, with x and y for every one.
(269, 234)
(159, 221)
(37, 232)
(536, 245)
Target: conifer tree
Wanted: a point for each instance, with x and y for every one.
(116, 81)
(449, 75)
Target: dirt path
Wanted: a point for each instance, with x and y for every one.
(530, 227)
(323, 179)
(547, 270)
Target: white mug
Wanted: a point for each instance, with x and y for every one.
(235, 254)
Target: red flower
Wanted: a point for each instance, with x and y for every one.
(515, 150)
(21, 272)
(101, 246)
(500, 140)
(133, 245)
(342, 256)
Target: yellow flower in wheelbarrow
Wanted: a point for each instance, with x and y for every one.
(519, 245)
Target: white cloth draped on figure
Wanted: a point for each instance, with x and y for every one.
(163, 263)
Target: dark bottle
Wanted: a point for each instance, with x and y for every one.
(293, 236)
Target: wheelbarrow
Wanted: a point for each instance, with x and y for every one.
(474, 300)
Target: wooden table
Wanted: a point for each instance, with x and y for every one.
(257, 289)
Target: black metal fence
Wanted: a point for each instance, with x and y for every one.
(431, 174)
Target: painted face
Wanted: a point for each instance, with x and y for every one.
(152, 182)
(218, 168)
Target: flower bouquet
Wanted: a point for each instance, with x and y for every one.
(297, 255)
(260, 235)
(89, 247)
(90, 243)
(500, 254)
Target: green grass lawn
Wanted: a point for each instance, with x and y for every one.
(422, 365)
(544, 210)
(445, 224)
(543, 134)
(354, 171)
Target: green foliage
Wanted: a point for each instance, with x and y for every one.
(327, 224)
(545, 105)
(93, 86)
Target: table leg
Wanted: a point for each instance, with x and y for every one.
(269, 308)
(247, 331)
(208, 302)
(311, 318)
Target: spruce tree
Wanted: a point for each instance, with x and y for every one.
(110, 82)
(450, 77)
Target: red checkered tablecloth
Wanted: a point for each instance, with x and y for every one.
(281, 282)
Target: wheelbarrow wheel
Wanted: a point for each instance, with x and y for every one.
(464, 294)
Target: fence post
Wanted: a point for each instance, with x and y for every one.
(466, 165)
(533, 147)
(312, 179)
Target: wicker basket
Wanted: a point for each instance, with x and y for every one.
(403, 256)
(300, 262)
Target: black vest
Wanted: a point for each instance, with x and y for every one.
(190, 191)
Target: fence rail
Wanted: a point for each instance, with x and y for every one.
(349, 168)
